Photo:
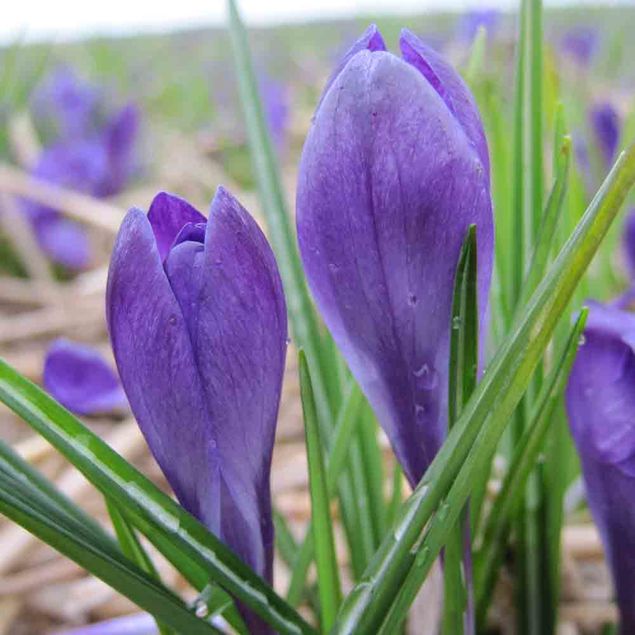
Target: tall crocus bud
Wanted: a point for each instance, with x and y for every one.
(198, 325)
(394, 170)
(600, 400)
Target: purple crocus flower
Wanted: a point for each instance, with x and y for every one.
(198, 326)
(394, 170)
(69, 104)
(605, 123)
(472, 21)
(600, 400)
(275, 101)
(81, 379)
(581, 44)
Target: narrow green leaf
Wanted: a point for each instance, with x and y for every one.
(343, 436)
(551, 215)
(396, 498)
(499, 392)
(462, 380)
(304, 324)
(286, 544)
(13, 464)
(151, 511)
(63, 534)
(325, 556)
(133, 549)
(129, 542)
(496, 529)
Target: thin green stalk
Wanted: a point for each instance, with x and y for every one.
(450, 510)
(344, 433)
(325, 557)
(495, 533)
(457, 617)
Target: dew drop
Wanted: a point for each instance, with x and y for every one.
(412, 299)
(427, 377)
(456, 322)
(200, 609)
(420, 412)
(172, 320)
(582, 340)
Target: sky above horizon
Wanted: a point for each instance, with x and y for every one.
(69, 19)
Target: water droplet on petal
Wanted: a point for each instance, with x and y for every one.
(412, 299)
(172, 320)
(582, 340)
(427, 377)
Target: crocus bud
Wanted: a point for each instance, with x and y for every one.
(600, 401)
(394, 170)
(198, 325)
(81, 379)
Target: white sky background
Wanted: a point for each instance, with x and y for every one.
(68, 19)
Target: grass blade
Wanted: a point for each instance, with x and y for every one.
(20, 503)
(502, 386)
(343, 436)
(498, 522)
(151, 511)
(325, 557)
(451, 509)
(133, 549)
(462, 380)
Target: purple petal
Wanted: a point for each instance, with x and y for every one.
(628, 242)
(600, 400)
(388, 184)
(371, 40)
(81, 379)
(70, 104)
(64, 242)
(200, 347)
(451, 88)
(120, 138)
(581, 43)
(605, 122)
(139, 624)
(472, 21)
(167, 215)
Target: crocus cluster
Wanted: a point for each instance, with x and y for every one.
(600, 400)
(198, 326)
(580, 43)
(394, 170)
(91, 152)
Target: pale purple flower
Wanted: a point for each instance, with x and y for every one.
(394, 170)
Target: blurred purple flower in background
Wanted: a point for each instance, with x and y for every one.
(92, 154)
(198, 326)
(65, 103)
(600, 400)
(470, 22)
(628, 243)
(275, 101)
(606, 126)
(581, 44)
(394, 170)
(81, 379)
